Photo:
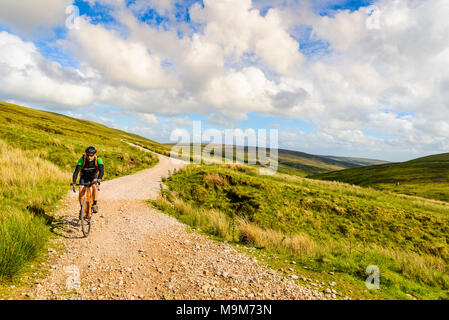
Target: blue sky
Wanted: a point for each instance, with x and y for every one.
(306, 68)
(100, 14)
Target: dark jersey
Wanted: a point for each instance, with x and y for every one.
(89, 171)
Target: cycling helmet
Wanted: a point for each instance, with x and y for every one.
(90, 150)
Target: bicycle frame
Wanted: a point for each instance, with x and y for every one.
(86, 207)
(88, 194)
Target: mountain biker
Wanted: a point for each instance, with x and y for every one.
(92, 170)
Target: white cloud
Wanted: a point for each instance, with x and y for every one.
(200, 64)
(373, 76)
(149, 119)
(26, 16)
(182, 122)
(28, 77)
(236, 61)
(100, 119)
(236, 91)
(239, 28)
(120, 61)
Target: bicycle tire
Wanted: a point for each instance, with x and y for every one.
(85, 223)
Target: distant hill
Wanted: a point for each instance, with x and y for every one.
(303, 164)
(426, 177)
(433, 158)
(358, 161)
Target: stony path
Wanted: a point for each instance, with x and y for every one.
(137, 252)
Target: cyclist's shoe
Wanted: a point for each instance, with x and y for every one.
(95, 208)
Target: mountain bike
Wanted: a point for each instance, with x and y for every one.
(84, 218)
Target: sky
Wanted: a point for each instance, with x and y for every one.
(361, 78)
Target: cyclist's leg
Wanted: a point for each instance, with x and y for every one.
(83, 180)
(95, 198)
(94, 192)
(82, 193)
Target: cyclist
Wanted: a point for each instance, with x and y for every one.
(92, 170)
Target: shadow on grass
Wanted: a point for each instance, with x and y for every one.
(39, 211)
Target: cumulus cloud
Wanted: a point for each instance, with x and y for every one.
(202, 79)
(95, 118)
(26, 16)
(28, 77)
(239, 90)
(372, 76)
(239, 28)
(120, 61)
(149, 119)
(182, 122)
(391, 80)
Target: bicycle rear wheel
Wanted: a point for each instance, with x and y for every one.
(85, 223)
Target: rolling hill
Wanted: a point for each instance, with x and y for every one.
(301, 163)
(319, 227)
(322, 226)
(38, 153)
(426, 177)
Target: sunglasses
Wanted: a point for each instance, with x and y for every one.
(90, 154)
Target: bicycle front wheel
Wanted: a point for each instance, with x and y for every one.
(85, 223)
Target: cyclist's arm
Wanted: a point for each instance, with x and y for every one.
(100, 168)
(79, 165)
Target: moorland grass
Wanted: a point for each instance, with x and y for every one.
(26, 192)
(38, 153)
(326, 226)
(427, 177)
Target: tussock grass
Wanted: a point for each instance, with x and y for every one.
(61, 140)
(327, 226)
(20, 169)
(215, 179)
(216, 222)
(22, 224)
(22, 237)
(296, 244)
(38, 153)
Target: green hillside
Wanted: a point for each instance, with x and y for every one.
(303, 164)
(38, 153)
(358, 161)
(300, 163)
(323, 227)
(426, 177)
(433, 158)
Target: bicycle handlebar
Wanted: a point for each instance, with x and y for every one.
(86, 185)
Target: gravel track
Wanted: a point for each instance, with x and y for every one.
(136, 252)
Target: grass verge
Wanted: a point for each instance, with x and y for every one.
(326, 227)
(38, 153)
